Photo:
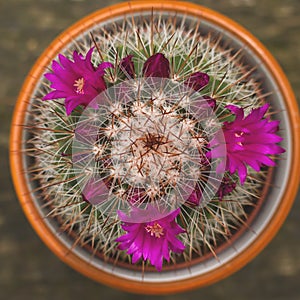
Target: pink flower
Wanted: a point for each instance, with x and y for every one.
(136, 196)
(212, 103)
(197, 81)
(127, 66)
(151, 240)
(195, 197)
(249, 141)
(95, 191)
(77, 81)
(157, 65)
(226, 187)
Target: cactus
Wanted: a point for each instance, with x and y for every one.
(169, 96)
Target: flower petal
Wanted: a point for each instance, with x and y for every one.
(197, 81)
(127, 66)
(157, 65)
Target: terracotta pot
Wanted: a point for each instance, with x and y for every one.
(267, 219)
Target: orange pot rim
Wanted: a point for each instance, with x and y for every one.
(17, 163)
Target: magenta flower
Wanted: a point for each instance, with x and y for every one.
(195, 197)
(157, 65)
(77, 81)
(249, 140)
(136, 196)
(212, 103)
(152, 240)
(226, 187)
(197, 81)
(127, 66)
(95, 191)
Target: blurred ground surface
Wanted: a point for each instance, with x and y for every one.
(28, 270)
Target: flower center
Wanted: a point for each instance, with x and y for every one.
(239, 134)
(155, 230)
(79, 84)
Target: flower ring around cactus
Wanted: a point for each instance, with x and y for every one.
(155, 146)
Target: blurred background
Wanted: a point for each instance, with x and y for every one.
(28, 270)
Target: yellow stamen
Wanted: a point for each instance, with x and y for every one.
(79, 84)
(155, 230)
(239, 134)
